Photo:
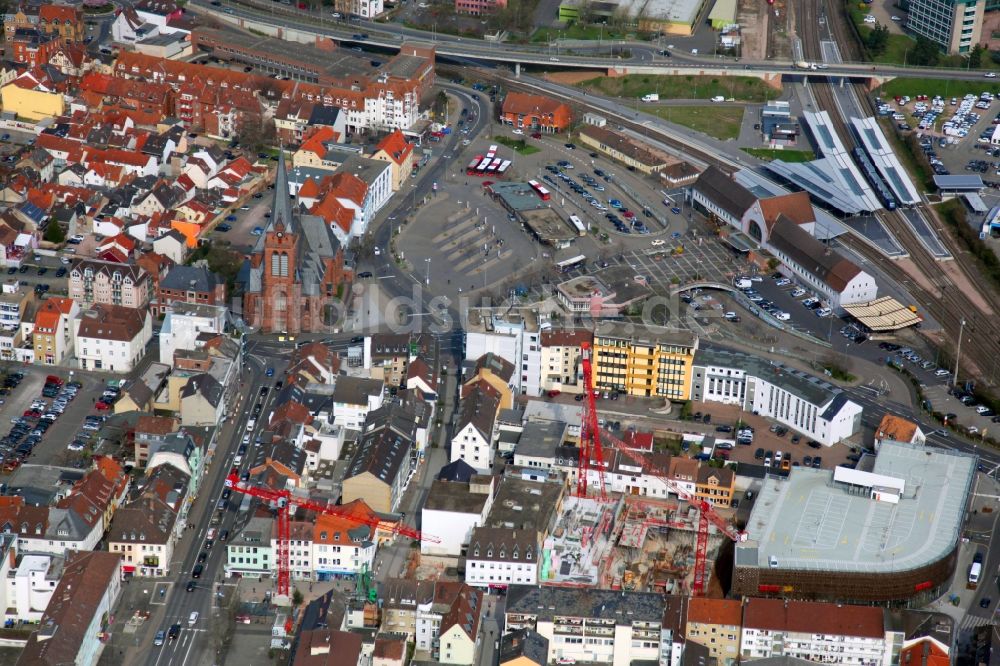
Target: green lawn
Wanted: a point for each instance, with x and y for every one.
(722, 122)
(943, 87)
(783, 155)
(688, 86)
(520, 145)
(578, 31)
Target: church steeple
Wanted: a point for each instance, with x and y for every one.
(281, 205)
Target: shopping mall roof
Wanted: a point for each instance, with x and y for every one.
(883, 314)
(808, 521)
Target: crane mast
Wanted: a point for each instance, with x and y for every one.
(592, 456)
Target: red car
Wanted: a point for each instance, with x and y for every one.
(536, 135)
(629, 214)
(32, 413)
(101, 405)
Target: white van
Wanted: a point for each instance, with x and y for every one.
(250, 424)
(193, 618)
(718, 98)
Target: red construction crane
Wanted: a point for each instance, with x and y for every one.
(283, 501)
(590, 440)
(591, 454)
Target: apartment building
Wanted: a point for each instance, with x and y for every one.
(500, 556)
(342, 547)
(716, 623)
(112, 338)
(52, 334)
(651, 363)
(589, 625)
(513, 337)
(818, 632)
(145, 530)
(74, 621)
(448, 625)
(92, 281)
(560, 359)
(249, 551)
(475, 429)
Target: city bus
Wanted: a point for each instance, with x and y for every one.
(472, 169)
(539, 190)
(578, 224)
(503, 167)
(567, 265)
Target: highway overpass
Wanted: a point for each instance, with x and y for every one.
(291, 25)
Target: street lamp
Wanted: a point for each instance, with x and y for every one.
(427, 276)
(958, 353)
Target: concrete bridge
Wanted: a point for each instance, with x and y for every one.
(645, 59)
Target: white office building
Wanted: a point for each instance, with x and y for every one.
(802, 402)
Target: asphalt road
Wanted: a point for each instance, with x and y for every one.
(388, 35)
(196, 643)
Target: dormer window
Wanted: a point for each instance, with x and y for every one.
(527, 555)
(489, 553)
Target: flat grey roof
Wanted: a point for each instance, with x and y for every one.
(807, 387)
(454, 496)
(959, 182)
(540, 438)
(806, 522)
(521, 504)
(547, 602)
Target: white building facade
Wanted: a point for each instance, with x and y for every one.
(801, 402)
(514, 341)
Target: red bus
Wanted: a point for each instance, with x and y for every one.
(539, 190)
(471, 170)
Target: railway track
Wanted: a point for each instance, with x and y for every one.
(949, 305)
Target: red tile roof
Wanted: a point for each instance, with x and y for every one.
(396, 147)
(810, 617)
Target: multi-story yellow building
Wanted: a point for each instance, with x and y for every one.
(647, 362)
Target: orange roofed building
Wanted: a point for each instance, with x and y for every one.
(535, 113)
(343, 547)
(398, 152)
(716, 624)
(898, 429)
(52, 336)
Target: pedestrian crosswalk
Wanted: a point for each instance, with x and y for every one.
(970, 622)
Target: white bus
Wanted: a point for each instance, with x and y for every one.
(569, 264)
(578, 224)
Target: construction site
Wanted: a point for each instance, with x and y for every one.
(627, 543)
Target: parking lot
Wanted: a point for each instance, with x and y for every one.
(977, 419)
(955, 132)
(52, 445)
